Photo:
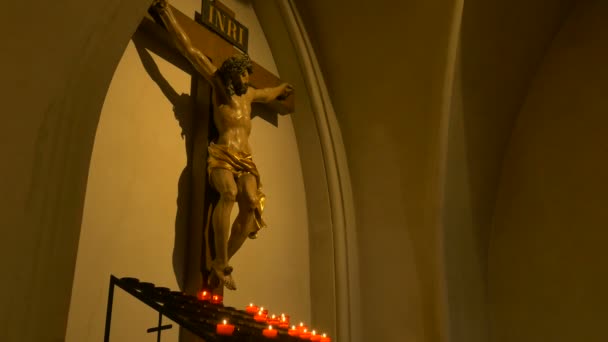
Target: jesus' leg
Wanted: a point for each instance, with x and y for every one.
(245, 221)
(223, 182)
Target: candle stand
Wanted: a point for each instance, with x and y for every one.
(197, 316)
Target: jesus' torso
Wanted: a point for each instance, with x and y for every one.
(233, 121)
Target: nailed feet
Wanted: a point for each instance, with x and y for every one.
(222, 276)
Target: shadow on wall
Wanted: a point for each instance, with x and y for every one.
(183, 107)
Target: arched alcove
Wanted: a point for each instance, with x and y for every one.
(68, 64)
(108, 177)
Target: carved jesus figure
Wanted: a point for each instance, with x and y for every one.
(230, 165)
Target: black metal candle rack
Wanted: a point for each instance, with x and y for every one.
(197, 316)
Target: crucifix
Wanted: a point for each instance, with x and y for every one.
(223, 171)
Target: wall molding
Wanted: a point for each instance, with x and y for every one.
(343, 225)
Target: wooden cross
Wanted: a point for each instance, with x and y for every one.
(217, 50)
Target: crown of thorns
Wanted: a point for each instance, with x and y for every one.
(235, 65)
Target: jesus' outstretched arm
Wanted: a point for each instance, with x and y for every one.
(266, 95)
(201, 63)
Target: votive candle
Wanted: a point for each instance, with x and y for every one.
(272, 320)
(314, 336)
(224, 329)
(293, 331)
(305, 334)
(217, 299)
(284, 321)
(252, 309)
(260, 317)
(203, 295)
(270, 333)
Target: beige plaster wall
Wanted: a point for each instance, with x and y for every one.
(137, 197)
(547, 266)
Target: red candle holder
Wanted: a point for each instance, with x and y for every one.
(203, 295)
(224, 329)
(260, 316)
(270, 333)
(217, 299)
(293, 331)
(252, 309)
(315, 337)
(324, 338)
(284, 321)
(302, 327)
(305, 334)
(273, 320)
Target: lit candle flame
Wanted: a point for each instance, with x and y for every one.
(324, 335)
(270, 327)
(225, 322)
(293, 327)
(314, 332)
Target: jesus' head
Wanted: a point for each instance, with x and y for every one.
(235, 72)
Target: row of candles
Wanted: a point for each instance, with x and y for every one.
(208, 297)
(261, 315)
(300, 331)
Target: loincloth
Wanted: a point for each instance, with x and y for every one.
(239, 163)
